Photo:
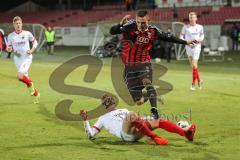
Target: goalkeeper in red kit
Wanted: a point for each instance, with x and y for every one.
(138, 38)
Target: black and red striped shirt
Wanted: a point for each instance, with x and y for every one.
(137, 44)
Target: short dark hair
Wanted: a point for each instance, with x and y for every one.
(108, 101)
(142, 13)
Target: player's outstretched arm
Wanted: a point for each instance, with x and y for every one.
(90, 131)
(171, 38)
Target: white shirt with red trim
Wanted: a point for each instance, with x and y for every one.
(190, 32)
(111, 121)
(21, 42)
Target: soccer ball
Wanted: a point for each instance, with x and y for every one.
(183, 124)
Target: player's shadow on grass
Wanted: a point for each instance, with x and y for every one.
(80, 144)
(45, 112)
(110, 141)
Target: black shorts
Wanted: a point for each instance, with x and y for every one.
(50, 43)
(134, 77)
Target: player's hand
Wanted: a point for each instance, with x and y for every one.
(30, 52)
(83, 114)
(192, 42)
(9, 49)
(125, 19)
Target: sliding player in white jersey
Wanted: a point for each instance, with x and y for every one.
(193, 31)
(129, 126)
(18, 43)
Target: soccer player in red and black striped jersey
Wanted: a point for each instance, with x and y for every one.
(138, 38)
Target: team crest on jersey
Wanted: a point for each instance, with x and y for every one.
(22, 37)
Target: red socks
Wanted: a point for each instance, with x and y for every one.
(194, 71)
(195, 75)
(143, 128)
(171, 127)
(26, 80)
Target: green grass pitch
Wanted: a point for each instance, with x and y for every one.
(33, 132)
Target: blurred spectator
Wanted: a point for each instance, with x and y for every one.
(175, 12)
(168, 47)
(234, 36)
(129, 4)
(50, 38)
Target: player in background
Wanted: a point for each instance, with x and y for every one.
(3, 43)
(130, 127)
(138, 38)
(19, 43)
(189, 32)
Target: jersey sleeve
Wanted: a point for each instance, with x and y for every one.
(201, 38)
(94, 130)
(32, 39)
(168, 37)
(98, 125)
(182, 33)
(118, 29)
(9, 40)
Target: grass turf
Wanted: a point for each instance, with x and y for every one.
(33, 132)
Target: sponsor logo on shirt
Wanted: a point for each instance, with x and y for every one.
(142, 40)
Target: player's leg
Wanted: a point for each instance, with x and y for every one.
(137, 79)
(48, 47)
(190, 55)
(152, 96)
(20, 63)
(134, 87)
(23, 67)
(194, 77)
(52, 47)
(173, 128)
(196, 66)
(135, 126)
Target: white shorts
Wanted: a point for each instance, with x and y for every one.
(23, 64)
(193, 52)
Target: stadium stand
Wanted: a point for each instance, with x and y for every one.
(207, 15)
